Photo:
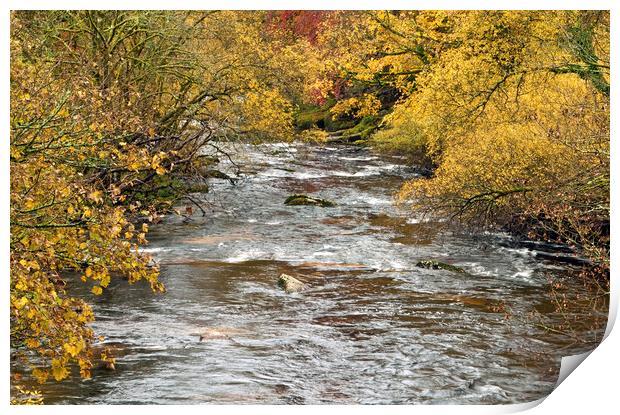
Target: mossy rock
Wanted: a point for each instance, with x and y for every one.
(432, 264)
(335, 124)
(166, 193)
(358, 134)
(305, 200)
(216, 174)
(290, 284)
(203, 164)
(311, 118)
(197, 187)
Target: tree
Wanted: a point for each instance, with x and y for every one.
(109, 108)
(515, 114)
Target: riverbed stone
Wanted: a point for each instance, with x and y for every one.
(305, 200)
(218, 333)
(290, 284)
(432, 264)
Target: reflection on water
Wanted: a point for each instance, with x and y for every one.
(371, 328)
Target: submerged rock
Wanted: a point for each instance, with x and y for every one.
(216, 174)
(564, 258)
(286, 169)
(305, 200)
(197, 187)
(216, 333)
(432, 264)
(290, 284)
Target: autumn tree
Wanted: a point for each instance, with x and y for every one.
(110, 111)
(515, 114)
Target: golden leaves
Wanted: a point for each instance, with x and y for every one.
(267, 113)
(366, 105)
(27, 396)
(504, 133)
(32, 343)
(85, 366)
(73, 349)
(20, 303)
(134, 166)
(96, 196)
(59, 369)
(105, 280)
(40, 375)
(87, 212)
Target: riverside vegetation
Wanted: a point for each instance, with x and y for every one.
(112, 112)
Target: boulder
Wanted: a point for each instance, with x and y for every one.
(218, 333)
(432, 264)
(305, 200)
(197, 187)
(290, 284)
(216, 174)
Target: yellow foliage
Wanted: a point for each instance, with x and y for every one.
(509, 109)
(59, 370)
(516, 119)
(265, 113)
(27, 397)
(356, 107)
(314, 135)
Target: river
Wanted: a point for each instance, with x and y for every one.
(372, 328)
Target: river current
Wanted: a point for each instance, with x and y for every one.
(372, 328)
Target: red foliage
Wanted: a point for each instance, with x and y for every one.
(299, 23)
(316, 97)
(306, 24)
(339, 83)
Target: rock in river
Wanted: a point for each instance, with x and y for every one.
(305, 200)
(432, 264)
(290, 284)
(217, 333)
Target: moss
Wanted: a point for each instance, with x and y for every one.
(198, 187)
(312, 118)
(348, 128)
(304, 200)
(366, 126)
(334, 124)
(165, 193)
(432, 264)
(359, 133)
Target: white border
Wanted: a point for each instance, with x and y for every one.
(592, 388)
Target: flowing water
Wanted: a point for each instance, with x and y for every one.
(372, 328)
